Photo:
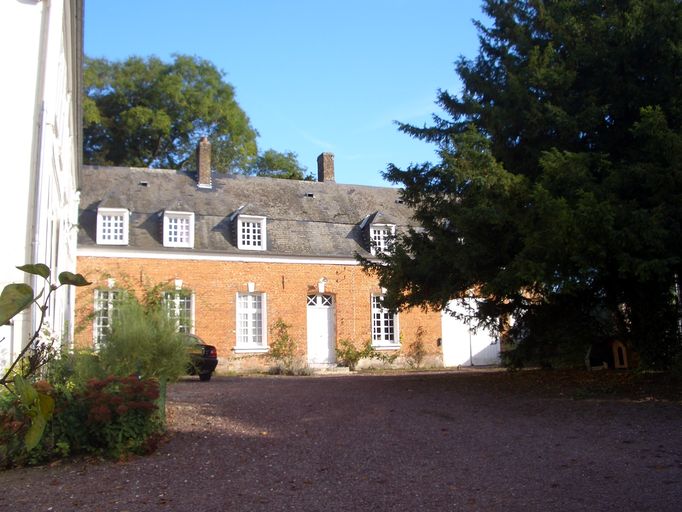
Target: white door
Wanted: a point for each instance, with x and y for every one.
(462, 343)
(321, 330)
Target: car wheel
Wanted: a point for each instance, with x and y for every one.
(204, 377)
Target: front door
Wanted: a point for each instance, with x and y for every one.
(321, 330)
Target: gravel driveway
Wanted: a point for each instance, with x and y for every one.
(441, 441)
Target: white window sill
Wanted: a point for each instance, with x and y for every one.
(393, 346)
(112, 242)
(179, 245)
(250, 350)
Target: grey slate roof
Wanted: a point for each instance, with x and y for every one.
(304, 218)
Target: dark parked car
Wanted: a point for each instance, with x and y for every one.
(203, 357)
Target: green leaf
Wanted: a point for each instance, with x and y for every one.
(15, 298)
(39, 269)
(73, 279)
(35, 432)
(26, 392)
(46, 405)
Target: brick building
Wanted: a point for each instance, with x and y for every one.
(237, 253)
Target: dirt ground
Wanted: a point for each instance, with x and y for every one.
(469, 441)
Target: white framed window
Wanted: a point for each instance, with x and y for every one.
(380, 237)
(251, 233)
(180, 307)
(178, 229)
(251, 323)
(384, 325)
(105, 304)
(112, 226)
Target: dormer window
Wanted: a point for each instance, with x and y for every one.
(380, 237)
(112, 226)
(178, 229)
(251, 233)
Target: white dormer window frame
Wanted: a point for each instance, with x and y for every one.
(251, 233)
(112, 226)
(178, 229)
(380, 238)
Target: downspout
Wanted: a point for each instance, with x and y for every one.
(76, 11)
(38, 183)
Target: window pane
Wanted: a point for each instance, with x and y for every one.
(383, 323)
(179, 307)
(250, 322)
(178, 229)
(112, 227)
(105, 302)
(251, 233)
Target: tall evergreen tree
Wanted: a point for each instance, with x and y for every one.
(558, 195)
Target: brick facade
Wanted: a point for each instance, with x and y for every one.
(287, 285)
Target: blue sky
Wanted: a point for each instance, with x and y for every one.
(312, 76)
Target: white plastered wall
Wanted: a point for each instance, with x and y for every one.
(38, 176)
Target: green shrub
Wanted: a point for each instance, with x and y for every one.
(114, 417)
(122, 415)
(414, 355)
(144, 341)
(347, 354)
(15, 424)
(283, 352)
(297, 367)
(13, 427)
(72, 370)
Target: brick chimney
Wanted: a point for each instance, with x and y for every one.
(204, 164)
(325, 167)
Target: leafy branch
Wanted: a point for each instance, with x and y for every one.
(17, 297)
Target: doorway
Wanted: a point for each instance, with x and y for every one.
(321, 314)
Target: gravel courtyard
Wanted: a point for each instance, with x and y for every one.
(465, 441)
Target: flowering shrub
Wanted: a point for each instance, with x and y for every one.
(114, 417)
(122, 416)
(13, 427)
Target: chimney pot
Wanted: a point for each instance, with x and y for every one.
(204, 163)
(325, 167)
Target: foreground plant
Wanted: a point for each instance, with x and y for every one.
(143, 340)
(36, 405)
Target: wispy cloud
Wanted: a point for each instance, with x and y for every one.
(405, 113)
(317, 142)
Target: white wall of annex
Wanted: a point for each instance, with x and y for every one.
(38, 175)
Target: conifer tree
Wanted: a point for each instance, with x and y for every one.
(558, 194)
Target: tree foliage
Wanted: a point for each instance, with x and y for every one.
(148, 113)
(558, 194)
(274, 164)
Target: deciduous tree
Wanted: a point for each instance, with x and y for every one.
(274, 164)
(149, 113)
